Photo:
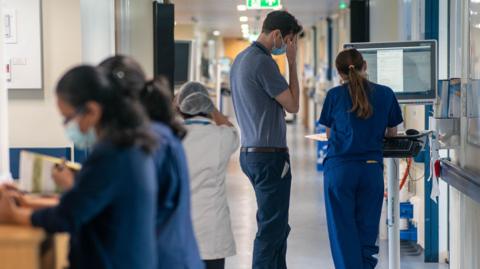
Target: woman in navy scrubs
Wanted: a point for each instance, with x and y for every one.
(176, 243)
(110, 210)
(357, 114)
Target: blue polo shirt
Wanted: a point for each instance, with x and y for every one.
(353, 138)
(256, 80)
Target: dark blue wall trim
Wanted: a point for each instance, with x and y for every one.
(315, 51)
(79, 155)
(330, 49)
(431, 208)
(432, 13)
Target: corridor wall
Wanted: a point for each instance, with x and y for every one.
(33, 117)
(464, 63)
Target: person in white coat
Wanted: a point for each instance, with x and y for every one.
(210, 142)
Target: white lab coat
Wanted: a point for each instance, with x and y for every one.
(208, 148)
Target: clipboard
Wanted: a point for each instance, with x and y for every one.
(36, 172)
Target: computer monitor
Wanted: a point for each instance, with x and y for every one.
(183, 62)
(409, 68)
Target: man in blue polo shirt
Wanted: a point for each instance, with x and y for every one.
(261, 95)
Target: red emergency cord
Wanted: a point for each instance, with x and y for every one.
(437, 168)
(8, 72)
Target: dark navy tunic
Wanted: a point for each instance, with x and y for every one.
(176, 243)
(352, 138)
(110, 211)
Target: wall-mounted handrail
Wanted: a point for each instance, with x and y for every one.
(461, 179)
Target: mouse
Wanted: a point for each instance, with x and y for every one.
(410, 132)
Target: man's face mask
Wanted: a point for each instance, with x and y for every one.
(279, 50)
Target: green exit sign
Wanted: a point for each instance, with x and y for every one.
(263, 4)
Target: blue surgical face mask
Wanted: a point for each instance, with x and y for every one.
(79, 139)
(281, 50)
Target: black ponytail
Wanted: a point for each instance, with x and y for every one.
(123, 120)
(158, 101)
(154, 95)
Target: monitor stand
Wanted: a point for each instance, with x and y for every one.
(392, 155)
(393, 213)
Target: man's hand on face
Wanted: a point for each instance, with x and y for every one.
(292, 49)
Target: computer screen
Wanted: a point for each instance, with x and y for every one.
(409, 68)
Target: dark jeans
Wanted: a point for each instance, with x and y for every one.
(214, 264)
(271, 178)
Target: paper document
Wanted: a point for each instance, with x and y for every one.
(454, 98)
(286, 168)
(36, 172)
(390, 69)
(318, 137)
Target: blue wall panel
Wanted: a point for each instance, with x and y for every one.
(432, 14)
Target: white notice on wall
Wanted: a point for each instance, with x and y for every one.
(390, 69)
(10, 26)
(22, 32)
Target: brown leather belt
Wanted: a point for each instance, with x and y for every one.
(265, 150)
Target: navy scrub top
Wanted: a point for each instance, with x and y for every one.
(109, 212)
(352, 138)
(176, 243)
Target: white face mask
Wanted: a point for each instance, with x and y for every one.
(79, 139)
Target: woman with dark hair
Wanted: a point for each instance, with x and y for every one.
(176, 244)
(358, 115)
(110, 210)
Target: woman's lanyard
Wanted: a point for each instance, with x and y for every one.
(196, 122)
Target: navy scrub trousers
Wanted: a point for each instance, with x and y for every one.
(353, 198)
(271, 178)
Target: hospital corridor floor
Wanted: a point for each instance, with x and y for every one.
(308, 245)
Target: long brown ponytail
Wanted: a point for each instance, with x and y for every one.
(350, 64)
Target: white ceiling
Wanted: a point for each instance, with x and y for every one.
(222, 15)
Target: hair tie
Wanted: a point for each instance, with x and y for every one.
(119, 74)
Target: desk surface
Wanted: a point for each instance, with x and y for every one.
(20, 234)
(20, 248)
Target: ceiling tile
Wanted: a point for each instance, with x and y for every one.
(223, 15)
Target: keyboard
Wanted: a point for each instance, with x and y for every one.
(401, 147)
